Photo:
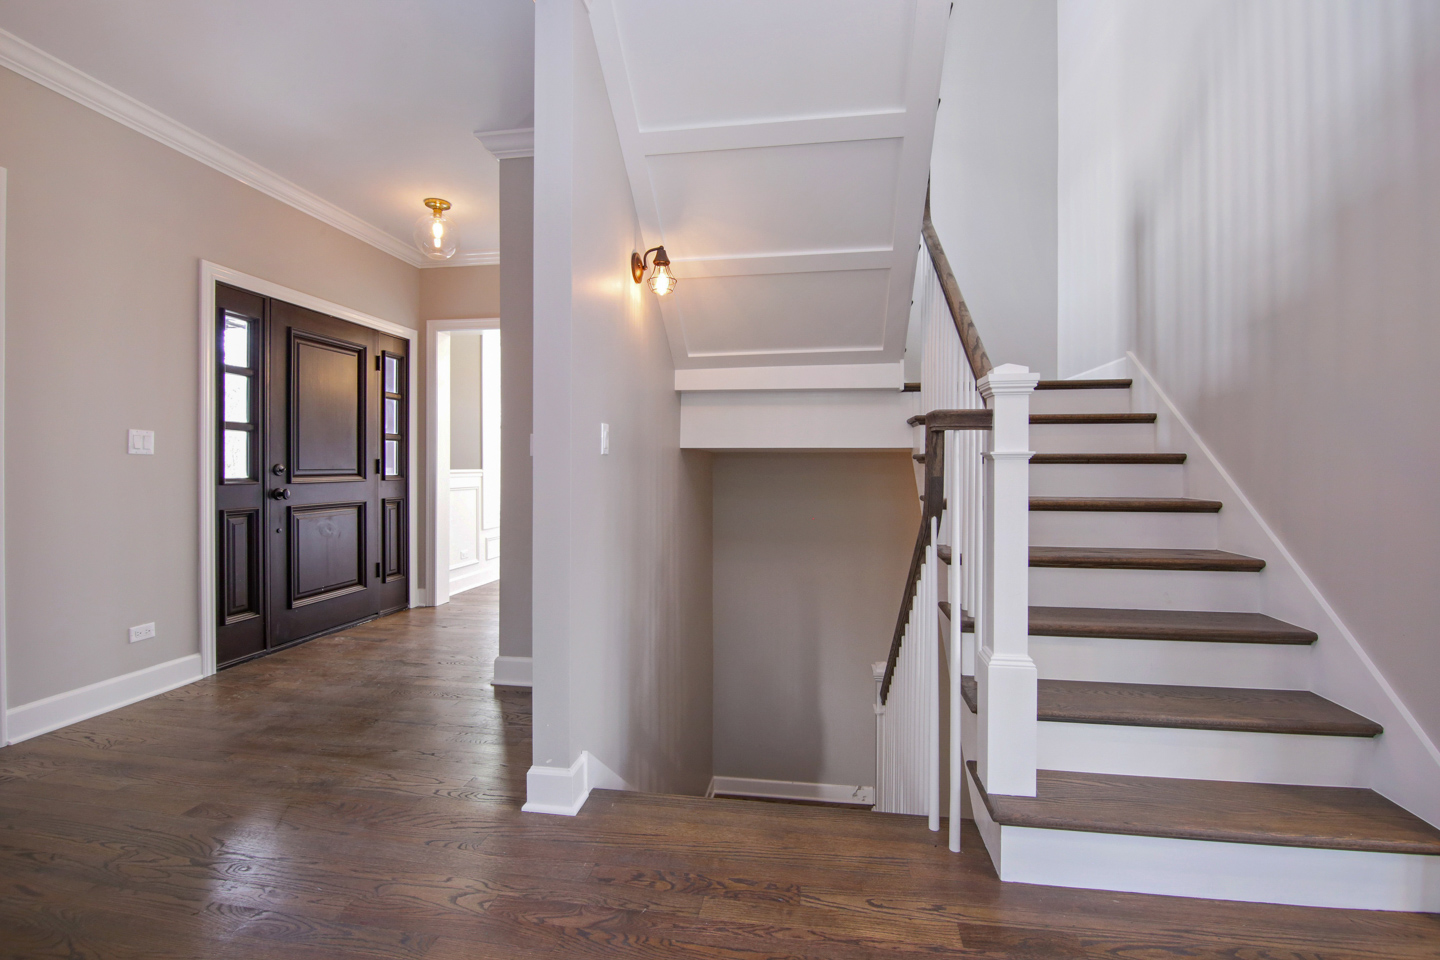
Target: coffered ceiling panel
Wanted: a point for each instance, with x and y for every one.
(714, 62)
(784, 314)
(718, 203)
(780, 153)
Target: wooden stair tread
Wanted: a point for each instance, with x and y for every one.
(1143, 558)
(1126, 504)
(1186, 625)
(944, 552)
(967, 622)
(1122, 458)
(1193, 708)
(1286, 815)
(1084, 384)
(1092, 418)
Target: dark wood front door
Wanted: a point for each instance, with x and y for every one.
(312, 496)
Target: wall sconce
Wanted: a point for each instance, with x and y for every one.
(662, 281)
(435, 234)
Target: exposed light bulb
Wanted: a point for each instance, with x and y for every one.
(435, 234)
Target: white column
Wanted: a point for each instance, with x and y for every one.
(1004, 672)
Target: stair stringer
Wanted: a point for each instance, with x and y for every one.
(1405, 766)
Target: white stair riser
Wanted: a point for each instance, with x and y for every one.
(1080, 401)
(1205, 754)
(1199, 754)
(1145, 589)
(1255, 666)
(1085, 528)
(1107, 480)
(1092, 437)
(1253, 873)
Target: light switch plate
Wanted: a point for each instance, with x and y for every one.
(146, 631)
(604, 438)
(142, 442)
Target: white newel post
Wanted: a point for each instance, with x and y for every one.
(1004, 672)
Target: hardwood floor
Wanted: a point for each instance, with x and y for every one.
(359, 796)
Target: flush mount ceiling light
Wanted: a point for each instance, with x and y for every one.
(435, 234)
(662, 281)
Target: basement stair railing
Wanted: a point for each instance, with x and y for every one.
(971, 560)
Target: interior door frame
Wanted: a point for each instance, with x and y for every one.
(4, 607)
(211, 274)
(437, 448)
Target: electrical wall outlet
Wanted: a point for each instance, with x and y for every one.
(142, 442)
(146, 631)
(604, 438)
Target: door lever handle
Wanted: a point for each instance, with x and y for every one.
(283, 493)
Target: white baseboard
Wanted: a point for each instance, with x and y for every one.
(1114, 370)
(1406, 764)
(563, 790)
(790, 790)
(486, 573)
(42, 716)
(513, 671)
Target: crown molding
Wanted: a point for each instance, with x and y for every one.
(508, 144)
(476, 258)
(35, 64)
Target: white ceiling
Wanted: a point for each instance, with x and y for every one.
(780, 152)
(369, 104)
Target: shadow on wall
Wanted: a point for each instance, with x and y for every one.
(1284, 259)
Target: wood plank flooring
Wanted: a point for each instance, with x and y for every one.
(358, 797)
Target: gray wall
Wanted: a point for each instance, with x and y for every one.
(622, 542)
(101, 337)
(811, 552)
(993, 173)
(517, 350)
(1268, 204)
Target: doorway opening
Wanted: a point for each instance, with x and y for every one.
(464, 455)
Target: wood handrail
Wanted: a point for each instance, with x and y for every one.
(937, 422)
(964, 324)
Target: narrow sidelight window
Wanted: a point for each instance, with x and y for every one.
(393, 415)
(238, 434)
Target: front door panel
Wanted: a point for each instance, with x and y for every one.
(313, 525)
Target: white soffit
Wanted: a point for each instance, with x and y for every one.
(780, 153)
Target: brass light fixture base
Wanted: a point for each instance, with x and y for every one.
(637, 267)
(437, 205)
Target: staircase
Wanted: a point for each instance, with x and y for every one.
(1179, 750)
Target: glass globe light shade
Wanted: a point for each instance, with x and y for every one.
(435, 234)
(662, 281)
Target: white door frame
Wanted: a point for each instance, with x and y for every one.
(210, 274)
(437, 448)
(4, 608)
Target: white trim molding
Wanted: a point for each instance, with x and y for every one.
(817, 376)
(791, 790)
(4, 608)
(508, 144)
(61, 710)
(563, 790)
(513, 671)
(35, 64)
(210, 274)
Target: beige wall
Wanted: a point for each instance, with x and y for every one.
(107, 228)
(1265, 205)
(811, 552)
(459, 293)
(465, 401)
(622, 541)
(517, 338)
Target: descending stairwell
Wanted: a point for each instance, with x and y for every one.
(1180, 750)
